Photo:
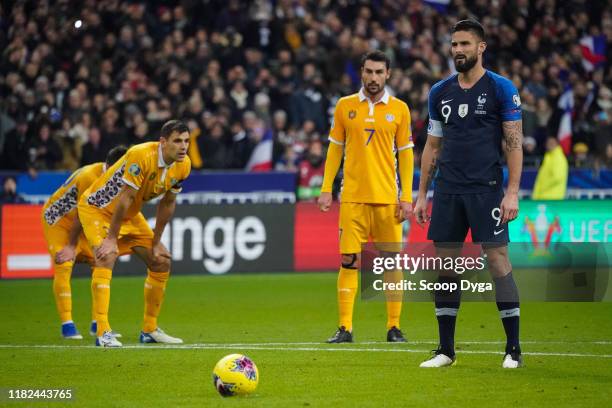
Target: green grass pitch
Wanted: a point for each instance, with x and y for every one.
(280, 321)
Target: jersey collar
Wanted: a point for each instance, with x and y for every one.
(160, 158)
(384, 99)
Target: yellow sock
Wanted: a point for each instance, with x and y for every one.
(100, 289)
(62, 291)
(394, 299)
(93, 303)
(93, 307)
(347, 288)
(154, 288)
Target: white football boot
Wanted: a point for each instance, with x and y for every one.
(438, 360)
(158, 336)
(108, 340)
(512, 360)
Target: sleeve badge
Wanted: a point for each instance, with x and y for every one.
(134, 170)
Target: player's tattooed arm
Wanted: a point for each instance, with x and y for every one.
(513, 138)
(513, 135)
(429, 162)
(430, 172)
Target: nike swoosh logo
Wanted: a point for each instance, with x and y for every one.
(443, 101)
(498, 232)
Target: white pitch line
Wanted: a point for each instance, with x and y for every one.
(593, 342)
(276, 348)
(380, 343)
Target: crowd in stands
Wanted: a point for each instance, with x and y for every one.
(79, 77)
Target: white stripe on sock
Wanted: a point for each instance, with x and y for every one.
(509, 313)
(446, 311)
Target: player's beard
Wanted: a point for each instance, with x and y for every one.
(467, 64)
(373, 88)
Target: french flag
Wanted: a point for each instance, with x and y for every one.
(261, 157)
(439, 5)
(593, 49)
(564, 134)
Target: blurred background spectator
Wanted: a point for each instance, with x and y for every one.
(9, 192)
(551, 181)
(311, 170)
(77, 78)
(44, 152)
(93, 151)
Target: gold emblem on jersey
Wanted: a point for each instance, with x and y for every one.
(352, 114)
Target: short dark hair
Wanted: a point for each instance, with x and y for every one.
(172, 126)
(115, 154)
(377, 56)
(470, 25)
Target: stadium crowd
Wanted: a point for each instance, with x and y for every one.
(79, 77)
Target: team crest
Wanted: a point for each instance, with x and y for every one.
(390, 117)
(463, 110)
(482, 99)
(152, 176)
(352, 114)
(134, 170)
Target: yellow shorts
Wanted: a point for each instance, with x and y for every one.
(57, 237)
(134, 232)
(359, 222)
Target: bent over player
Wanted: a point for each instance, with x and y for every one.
(474, 116)
(369, 128)
(110, 214)
(64, 237)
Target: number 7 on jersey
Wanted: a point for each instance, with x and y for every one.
(371, 131)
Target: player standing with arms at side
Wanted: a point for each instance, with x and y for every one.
(474, 116)
(64, 237)
(368, 128)
(110, 214)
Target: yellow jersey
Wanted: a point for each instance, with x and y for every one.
(142, 168)
(371, 134)
(61, 206)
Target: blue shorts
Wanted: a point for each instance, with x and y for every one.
(453, 214)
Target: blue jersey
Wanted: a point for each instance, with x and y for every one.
(470, 123)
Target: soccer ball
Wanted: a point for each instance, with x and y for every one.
(235, 374)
